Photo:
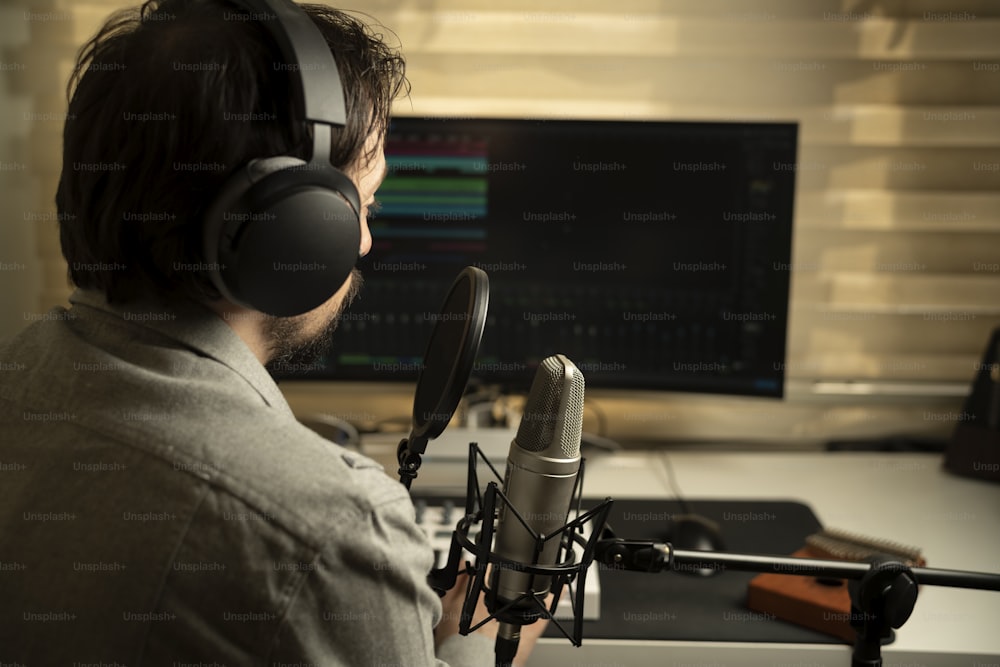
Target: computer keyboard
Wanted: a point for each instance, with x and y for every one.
(438, 519)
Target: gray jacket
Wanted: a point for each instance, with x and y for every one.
(160, 505)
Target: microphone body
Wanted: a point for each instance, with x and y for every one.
(542, 468)
(540, 487)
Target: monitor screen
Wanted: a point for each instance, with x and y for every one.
(655, 255)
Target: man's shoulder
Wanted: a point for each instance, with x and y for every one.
(306, 483)
(190, 419)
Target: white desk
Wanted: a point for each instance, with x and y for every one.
(906, 498)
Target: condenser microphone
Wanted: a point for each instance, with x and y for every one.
(542, 468)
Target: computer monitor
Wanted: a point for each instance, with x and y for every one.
(655, 255)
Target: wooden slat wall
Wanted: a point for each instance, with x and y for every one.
(896, 266)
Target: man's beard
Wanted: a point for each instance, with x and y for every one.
(291, 342)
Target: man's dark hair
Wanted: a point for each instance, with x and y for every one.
(166, 101)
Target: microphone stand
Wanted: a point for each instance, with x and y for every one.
(883, 591)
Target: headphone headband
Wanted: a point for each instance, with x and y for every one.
(310, 63)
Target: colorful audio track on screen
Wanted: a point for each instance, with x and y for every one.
(435, 179)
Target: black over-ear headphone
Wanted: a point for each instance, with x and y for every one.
(283, 235)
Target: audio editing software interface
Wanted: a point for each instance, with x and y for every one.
(655, 255)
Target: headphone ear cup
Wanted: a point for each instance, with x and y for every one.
(283, 235)
(222, 223)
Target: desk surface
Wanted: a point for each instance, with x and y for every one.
(904, 497)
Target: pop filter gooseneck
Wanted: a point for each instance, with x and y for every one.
(451, 353)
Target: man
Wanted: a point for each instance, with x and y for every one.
(161, 505)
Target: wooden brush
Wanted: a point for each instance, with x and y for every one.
(819, 603)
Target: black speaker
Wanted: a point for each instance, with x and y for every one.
(974, 449)
(283, 235)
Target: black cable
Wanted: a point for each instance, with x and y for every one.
(675, 487)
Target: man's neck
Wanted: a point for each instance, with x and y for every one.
(247, 325)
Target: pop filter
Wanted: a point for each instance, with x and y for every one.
(448, 360)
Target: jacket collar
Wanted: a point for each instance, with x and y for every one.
(195, 326)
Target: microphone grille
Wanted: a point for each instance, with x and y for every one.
(544, 425)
